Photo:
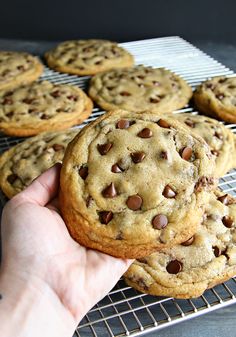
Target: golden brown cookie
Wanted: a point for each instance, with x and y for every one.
(140, 88)
(220, 139)
(42, 106)
(18, 68)
(21, 164)
(88, 57)
(217, 98)
(134, 183)
(204, 260)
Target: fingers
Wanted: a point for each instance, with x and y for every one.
(44, 188)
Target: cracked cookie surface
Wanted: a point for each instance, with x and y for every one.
(21, 164)
(217, 98)
(204, 260)
(88, 57)
(134, 183)
(18, 68)
(140, 88)
(42, 106)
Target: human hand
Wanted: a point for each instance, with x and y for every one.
(38, 251)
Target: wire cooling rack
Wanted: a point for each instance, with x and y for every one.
(124, 311)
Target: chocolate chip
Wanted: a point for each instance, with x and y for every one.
(190, 123)
(227, 221)
(210, 86)
(137, 157)
(154, 100)
(141, 77)
(156, 83)
(122, 124)
(12, 178)
(110, 88)
(222, 80)
(220, 96)
(119, 236)
(83, 172)
(204, 182)
(89, 201)
(224, 252)
(186, 153)
(231, 86)
(10, 114)
(141, 85)
(44, 116)
(164, 155)
(55, 94)
(104, 148)
(174, 267)
(0, 296)
(145, 133)
(116, 168)
(21, 67)
(134, 202)
(28, 100)
(218, 135)
(109, 191)
(73, 97)
(168, 192)
(163, 124)
(159, 221)
(188, 242)
(7, 100)
(224, 199)
(105, 217)
(217, 251)
(98, 62)
(125, 93)
(215, 153)
(58, 147)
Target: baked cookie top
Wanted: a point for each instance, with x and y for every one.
(18, 68)
(220, 139)
(134, 183)
(42, 106)
(217, 97)
(140, 88)
(204, 260)
(21, 164)
(88, 57)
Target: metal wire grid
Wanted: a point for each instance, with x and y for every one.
(124, 311)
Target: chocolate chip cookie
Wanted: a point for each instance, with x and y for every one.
(199, 263)
(134, 183)
(18, 68)
(220, 139)
(42, 106)
(217, 98)
(88, 57)
(140, 88)
(21, 164)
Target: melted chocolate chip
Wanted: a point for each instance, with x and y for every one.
(217, 251)
(224, 199)
(188, 242)
(186, 153)
(104, 148)
(105, 217)
(164, 155)
(58, 147)
(109, 191)
(138, 157)
(168, 192)
(160, 221)
(12, 178)
(83, 172)
(145, 133)
(134, 202)
(227, 221)
(125, 93)
(174, 267)
(123, 124)
(163, 124)
(116, 168)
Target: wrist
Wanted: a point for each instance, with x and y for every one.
(29, 304)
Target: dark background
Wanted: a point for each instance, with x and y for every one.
(118, 20)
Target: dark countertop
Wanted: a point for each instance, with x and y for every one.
(219, 323)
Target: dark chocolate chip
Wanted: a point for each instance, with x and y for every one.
(105, 217)
(231, 86)
(83, 172)
(116, 168)
(164, 155)
(188, 242)
(98, 62)
(12, 178)
(174, 267)
(217, 251)
(154, 100)
(28, 100)
(122, 124)
(186, 153)
(138, 157)
(141, 77)
(168, 192)
(58, 147)
(224, 199)
(134, 202)
(159, 221)
(44, 116)
(145, 133)
(227, 221)
(104, 148)
(163, 124)
(10, 114)
(218, 135)
(125, 93)
(215, 153)
(109, 191)
(222, 80)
